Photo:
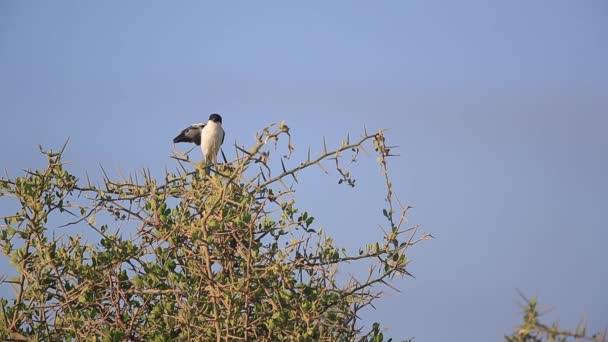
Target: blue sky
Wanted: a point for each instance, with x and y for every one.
(499, 109)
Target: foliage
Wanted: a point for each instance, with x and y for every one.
(532, 330)
(193, 257)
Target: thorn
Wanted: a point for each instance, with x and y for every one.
(224, 156)
(294, 177)
(243, 150)
(262, 173)
(104, 172)
(64, 146)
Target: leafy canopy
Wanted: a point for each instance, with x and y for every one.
(226, 256)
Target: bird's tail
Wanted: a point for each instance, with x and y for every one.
(180, 138)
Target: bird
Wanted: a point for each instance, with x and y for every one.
(210, 136)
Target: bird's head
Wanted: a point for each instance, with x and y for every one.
(215, 118)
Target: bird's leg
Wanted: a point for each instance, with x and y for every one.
(208, 164)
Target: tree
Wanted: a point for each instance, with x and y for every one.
(533, 330)
(193, 257)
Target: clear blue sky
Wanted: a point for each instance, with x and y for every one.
(500, 109)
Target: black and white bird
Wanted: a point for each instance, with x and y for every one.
(210, 136)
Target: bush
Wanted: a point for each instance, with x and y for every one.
(192, 257)
(533, 330)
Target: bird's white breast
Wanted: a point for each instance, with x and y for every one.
(211, 139)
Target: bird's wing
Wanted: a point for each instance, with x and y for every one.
(191, 134)
(223, 136)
